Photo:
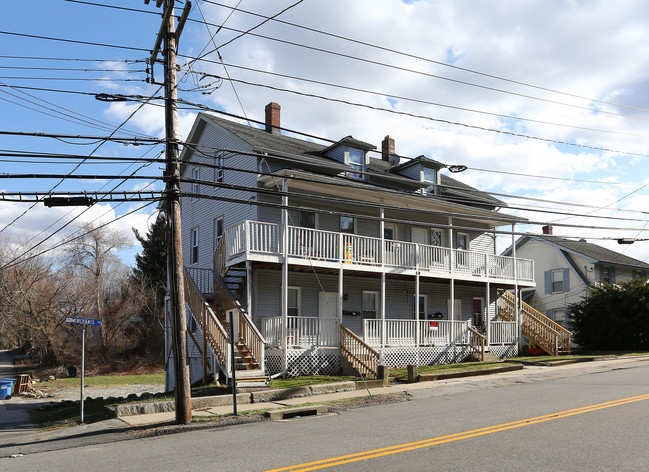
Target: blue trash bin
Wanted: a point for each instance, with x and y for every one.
(12, 386)
(5, 390)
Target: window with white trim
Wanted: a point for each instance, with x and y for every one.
(218, 171)
(430, 176)
(294, 302)
(193, 259)
(461, 241)
(196, 188)
(370, 304)
(557, 280)
(347, 224)
(356, 160)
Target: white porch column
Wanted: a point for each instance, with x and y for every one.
(452, 283)
(487, 316)
(417, 327)
(339, 305)
(382, 230)
(284, 308)
(517, 301)
(248, 289)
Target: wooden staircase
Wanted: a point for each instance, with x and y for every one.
(359, 355)
(538, 328)
(212, 317)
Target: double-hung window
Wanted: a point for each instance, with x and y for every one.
(218, 171)
(196, 188)
(356, 160)
(194, 249)
(294, 301)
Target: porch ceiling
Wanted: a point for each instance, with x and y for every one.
(366, 274)
(364, 193)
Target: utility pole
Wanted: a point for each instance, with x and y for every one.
(176, 288)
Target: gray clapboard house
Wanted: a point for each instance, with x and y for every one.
(327, 256)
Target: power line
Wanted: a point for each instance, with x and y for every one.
(74, 41)
(426, 102)
(425, 59)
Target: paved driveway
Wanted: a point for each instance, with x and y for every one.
(14, 416)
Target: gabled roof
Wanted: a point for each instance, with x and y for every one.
(595, 253)
(308, 155)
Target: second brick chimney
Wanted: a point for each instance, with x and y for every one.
(272, 118)
(387, 148)
(547, 229)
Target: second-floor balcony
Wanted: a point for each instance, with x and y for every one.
(259, 241)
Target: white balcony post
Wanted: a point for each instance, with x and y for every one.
(382, 230)
(246, 238)
(284, 309)
(517, 305)
(417, 327)
(339, 305)
(488, 318)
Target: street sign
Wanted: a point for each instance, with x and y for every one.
(83, 321)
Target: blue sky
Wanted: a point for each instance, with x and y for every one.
(570, 72)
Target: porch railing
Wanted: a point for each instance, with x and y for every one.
(361, 356)
(502, 332)
(259, 238)
(302, 331)
(404, 332)
(476, 343)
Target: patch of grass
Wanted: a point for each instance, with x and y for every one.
(445, 368)
(309, 380)
(105, 381)
(66, 416)
(583, 355)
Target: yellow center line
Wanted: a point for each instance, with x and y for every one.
(360, 456)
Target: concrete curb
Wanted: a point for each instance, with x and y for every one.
(466, 373)
(132, 409)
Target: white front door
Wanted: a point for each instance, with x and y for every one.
(419, 235)
(327, 303)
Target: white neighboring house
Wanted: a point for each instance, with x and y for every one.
(564, 268)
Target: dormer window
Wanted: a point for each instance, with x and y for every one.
(356, 160)
(430, 176)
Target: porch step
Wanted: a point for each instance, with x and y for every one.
(490, 357)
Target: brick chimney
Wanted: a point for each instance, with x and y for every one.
(547, 229)
(387, 148)
(272, 118)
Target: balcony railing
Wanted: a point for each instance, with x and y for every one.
(255, 238)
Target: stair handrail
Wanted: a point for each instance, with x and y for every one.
(359, 354)
(210, 325)
(248, 332)
(476, 342)
(550, 335)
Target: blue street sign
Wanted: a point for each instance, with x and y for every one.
(83, 321)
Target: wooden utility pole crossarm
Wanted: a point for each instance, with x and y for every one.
(172, 174)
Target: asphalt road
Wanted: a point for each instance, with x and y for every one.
(583, 418)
